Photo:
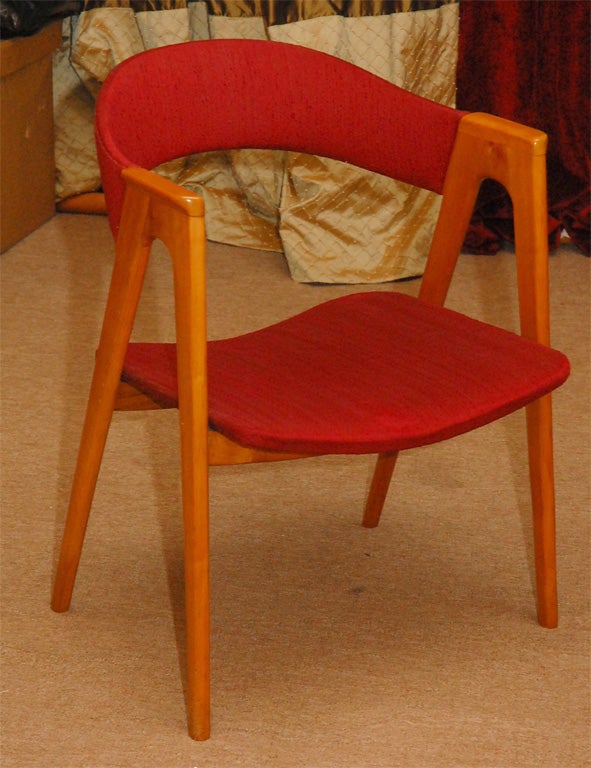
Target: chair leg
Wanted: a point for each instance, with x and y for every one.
(379, 488)
(92, 443)
(197, 621)
(198, 650)
(539, 429)
(194, 470)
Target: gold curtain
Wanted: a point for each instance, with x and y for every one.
(277, 11)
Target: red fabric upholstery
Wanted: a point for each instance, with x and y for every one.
(218, 94)
(365, 373)
(370, 372)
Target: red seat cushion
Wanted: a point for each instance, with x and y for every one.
(365, 373)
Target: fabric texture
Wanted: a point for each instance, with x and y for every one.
(364, 373)
(530, 62)
(76, 164)
(343, 224)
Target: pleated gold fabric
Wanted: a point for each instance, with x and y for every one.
(277, 11)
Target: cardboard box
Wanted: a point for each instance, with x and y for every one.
(27, 168)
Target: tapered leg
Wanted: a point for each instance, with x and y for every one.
(195, 472)
(186, 242)
(379, 488)
(197, 618)
(539, 429)
(131, 259)
(92, 443)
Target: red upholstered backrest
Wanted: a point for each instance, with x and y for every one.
(221, 94)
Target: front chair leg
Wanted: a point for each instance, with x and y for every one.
(195, 495)
(379, 488)
(196, 562)
(541, 467)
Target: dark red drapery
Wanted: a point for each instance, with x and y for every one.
(529, 60)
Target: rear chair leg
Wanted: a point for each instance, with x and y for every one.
(379, 488)
(539, 432)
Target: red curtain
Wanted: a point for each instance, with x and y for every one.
(529, 61)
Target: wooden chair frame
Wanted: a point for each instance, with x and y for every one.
(485, 147)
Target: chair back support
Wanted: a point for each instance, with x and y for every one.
(230, 94)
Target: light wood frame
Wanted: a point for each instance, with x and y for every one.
(485, 147)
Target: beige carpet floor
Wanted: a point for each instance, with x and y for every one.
(414, 645)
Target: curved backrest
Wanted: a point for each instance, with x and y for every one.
(228, 94)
